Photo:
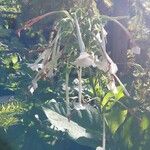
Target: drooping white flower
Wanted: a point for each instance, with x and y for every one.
(80, 40)
(46, 63)
(85, 60)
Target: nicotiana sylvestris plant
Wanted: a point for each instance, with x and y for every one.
(47, 62)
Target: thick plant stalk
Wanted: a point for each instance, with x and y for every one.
(80, 85)
(104, 133)
(67, 90)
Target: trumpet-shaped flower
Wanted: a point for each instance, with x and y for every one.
(85, 60)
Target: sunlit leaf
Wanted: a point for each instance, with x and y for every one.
(14, 59)
(84, 126)
(145, 122)
(110, 98)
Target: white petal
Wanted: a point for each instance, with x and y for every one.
(76, 81)
(33, 87)
(36, 116)
(85, 60)
(31, 90)
(99, 148)
(113, 68)
(102, 64)
(64, 87)
(104, 32)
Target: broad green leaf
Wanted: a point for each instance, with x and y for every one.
(74, 130)
(84, 126)
(63, 124)
(127, 132)
(145, 122)
(110, 98)
(115, 118)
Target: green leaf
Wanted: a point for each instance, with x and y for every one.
(16, 66)
(127, 135)
(115, 118)
(14, 59)
(120, 93)
(84, 126)
(110, 98)
(145, 122)
(107, 98)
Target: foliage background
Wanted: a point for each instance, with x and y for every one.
(20, 128)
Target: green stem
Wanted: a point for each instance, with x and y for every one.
(67, 89)
(104, 133)
(80, 85)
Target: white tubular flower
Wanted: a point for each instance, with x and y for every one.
(112, 86)
(107, 64)
(85, 60)
(80, 40)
